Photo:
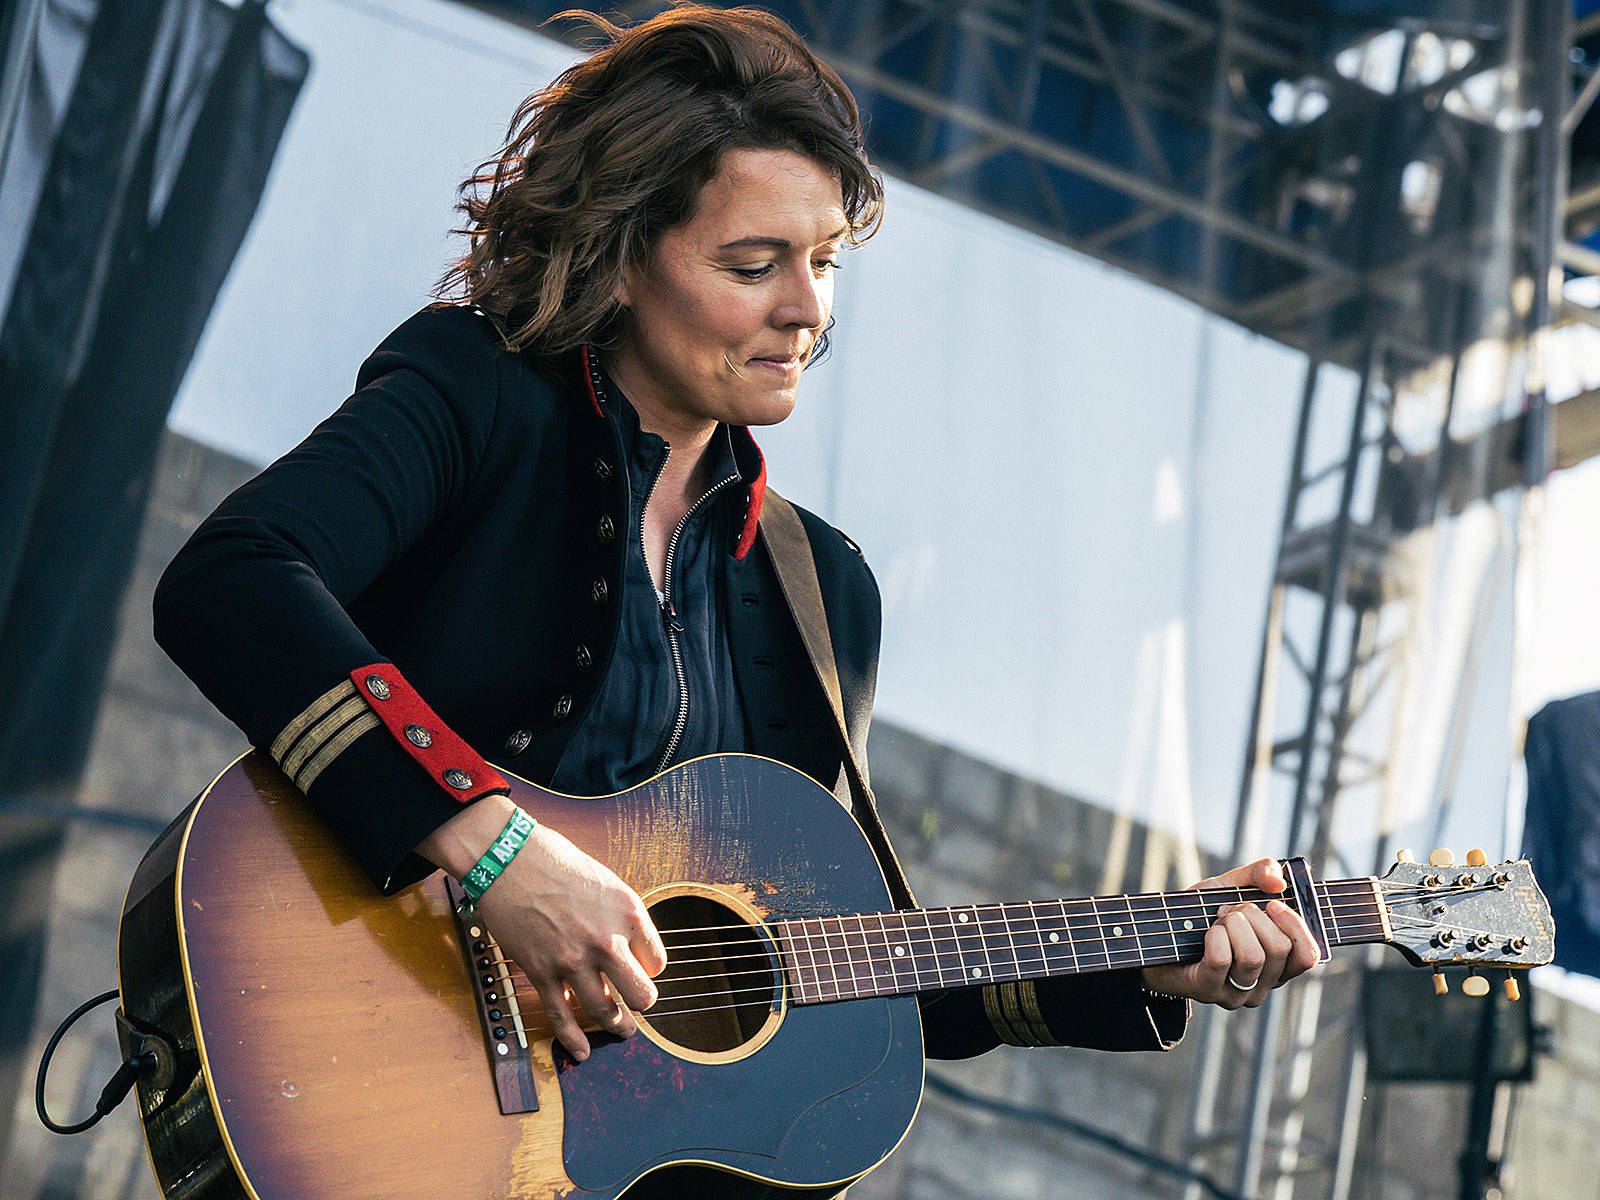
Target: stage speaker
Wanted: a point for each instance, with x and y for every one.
(1415, 1036)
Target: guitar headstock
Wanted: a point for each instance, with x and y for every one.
(1478, 915)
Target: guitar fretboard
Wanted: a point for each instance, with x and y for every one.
(931, 949)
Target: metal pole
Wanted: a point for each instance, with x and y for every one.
(1253, 781)
(1477, 1168)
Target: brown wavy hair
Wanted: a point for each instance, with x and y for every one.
(599, 164)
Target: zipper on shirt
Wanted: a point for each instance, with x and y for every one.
(669, 614)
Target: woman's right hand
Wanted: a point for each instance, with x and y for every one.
(578, 931)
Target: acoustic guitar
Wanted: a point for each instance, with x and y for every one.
(317, 1041)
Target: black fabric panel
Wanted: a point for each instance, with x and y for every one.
(142, 208)
(132, 284)
(1562, 834)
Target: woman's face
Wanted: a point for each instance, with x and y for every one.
(725, 313)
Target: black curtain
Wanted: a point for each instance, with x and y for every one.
(150, 181)
(1562, 837)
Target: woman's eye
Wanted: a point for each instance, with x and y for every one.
(752, 272)
(824, 265)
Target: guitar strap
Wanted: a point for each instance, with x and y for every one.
(796, 567)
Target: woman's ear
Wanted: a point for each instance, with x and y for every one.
(623, 292)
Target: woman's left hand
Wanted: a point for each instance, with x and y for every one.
(1250, 948)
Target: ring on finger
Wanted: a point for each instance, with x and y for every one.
(1243, 987)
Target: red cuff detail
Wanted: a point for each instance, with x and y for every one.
(752, 516)
(455, 766)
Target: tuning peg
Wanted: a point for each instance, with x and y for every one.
(1474, 985)
(1442, 858)
(1513, 992)
(1405, 856)
(1475, 858)
(1440, 984)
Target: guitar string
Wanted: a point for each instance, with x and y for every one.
(876, 958)
(1114, 959)
(870, 962)
(870, 948)
(858, 945)
(999, 936)
(724, 997)
(1354, 895)
(1357, 892)
(900, 929)
(1016, 970)
(1011, 913)
(1361, 901)
(951, 931)
(731, 996)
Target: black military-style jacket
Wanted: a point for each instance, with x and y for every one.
(428, 585)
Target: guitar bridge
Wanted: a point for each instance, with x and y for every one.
(505, 1038)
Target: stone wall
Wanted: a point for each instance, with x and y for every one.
(1012, 1124)
(157, 743)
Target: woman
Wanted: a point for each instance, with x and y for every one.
(532, 534)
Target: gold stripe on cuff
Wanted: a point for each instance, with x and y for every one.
(315, 711)
(1027, 1035)
(1029, 996)
(1013, 1008)
(997, 1019)
(320, 734)
(336, 746)
(1005, 1014)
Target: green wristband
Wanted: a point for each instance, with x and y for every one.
(487, 869)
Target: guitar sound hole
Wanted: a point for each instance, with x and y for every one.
(720, 986)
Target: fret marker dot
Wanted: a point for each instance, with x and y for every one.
(899, 949)
(976, 972)
(1116, 931)
(1188, 924)
(1055, 937)
(961, 916)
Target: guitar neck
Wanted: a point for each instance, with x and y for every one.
(932, 949)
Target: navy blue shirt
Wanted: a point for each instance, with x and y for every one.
(669, 695)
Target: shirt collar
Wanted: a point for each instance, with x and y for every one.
(736, 451)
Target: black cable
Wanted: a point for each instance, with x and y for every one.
(1079, 1129)
(116, 1087)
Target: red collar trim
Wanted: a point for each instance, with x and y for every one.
(757, 486)
(752, 515)
(588, 382)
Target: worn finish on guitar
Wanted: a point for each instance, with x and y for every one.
(344, 1054)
